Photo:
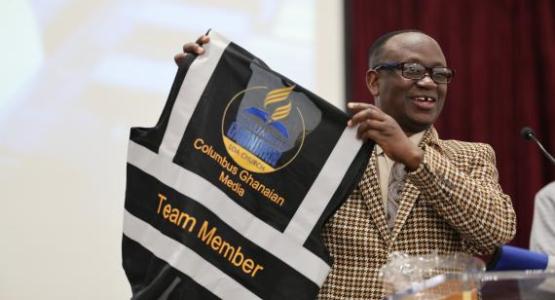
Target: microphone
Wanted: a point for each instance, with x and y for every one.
(528, 134)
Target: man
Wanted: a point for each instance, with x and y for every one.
(542, 237)
(441, 195)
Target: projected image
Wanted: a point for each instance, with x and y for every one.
(99, 53)
(76, 75)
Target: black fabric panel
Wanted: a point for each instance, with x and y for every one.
(230, 77)
(151, 277)
(276, 279)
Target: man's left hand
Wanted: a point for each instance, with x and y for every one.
(380, 127)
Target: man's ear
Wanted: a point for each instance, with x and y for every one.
(372, 82)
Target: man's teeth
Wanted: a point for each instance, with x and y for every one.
(424, 99)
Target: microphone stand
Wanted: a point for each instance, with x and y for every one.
(528, 134)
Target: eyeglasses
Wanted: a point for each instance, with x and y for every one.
(416, 71)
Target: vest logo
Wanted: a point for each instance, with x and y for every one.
(262, 128)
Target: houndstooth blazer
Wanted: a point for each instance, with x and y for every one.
(451, 203)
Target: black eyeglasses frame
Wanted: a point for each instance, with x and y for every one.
(401, 67)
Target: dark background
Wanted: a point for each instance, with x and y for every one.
(503, 52)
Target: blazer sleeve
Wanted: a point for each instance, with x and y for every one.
(467, 195)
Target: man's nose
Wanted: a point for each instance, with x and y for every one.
(426, 81)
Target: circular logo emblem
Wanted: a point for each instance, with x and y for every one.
(262, 128)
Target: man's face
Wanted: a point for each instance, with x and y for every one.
(414, 104)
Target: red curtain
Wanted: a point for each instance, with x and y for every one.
(503, 53)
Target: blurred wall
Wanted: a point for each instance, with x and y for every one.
(75, 76)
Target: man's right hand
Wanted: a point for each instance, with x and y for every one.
(191, 48)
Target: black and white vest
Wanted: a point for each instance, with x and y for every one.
(226, 196)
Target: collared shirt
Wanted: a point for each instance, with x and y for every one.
(385, 163)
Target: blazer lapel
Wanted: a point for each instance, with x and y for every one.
(409, 193)
(369, 187)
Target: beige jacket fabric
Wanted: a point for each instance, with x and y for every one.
(451, 203)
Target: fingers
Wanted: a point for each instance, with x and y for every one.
(180, 58)
(203, 39)
(364, 112)
(372, 123)
(192, 48)
(355, 107)
(196, 47)
(369, 129)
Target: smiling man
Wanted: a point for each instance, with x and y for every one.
(419, 193)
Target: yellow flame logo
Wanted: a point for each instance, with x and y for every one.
(279, 96)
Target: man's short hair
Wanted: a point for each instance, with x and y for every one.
(376, 50)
